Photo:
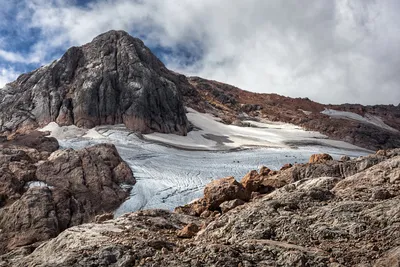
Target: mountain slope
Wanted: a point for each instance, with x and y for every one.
(372, 127)
(116, 79)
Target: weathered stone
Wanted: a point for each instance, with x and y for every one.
(30, 219)
(344, 158)
(314, 221)
(103, 217)
(228, 205)
(264, 170)
(188, 231)
(286, 166)
(195, 208)
(251, 181)
(320, 158)
(39, 198)
(221, 190)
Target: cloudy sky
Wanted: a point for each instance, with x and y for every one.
(330, 51)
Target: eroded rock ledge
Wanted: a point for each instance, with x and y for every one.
(329, 213)
(44, 191)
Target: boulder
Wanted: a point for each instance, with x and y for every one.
(195, 208)
(320, 158)
(188, 231)
(40, 198)
(252, 180)
(264, 170)
(30, 219)
(90, 182)
(221, 190)
(286, 166)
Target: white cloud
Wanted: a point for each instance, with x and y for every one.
(7, 75)
(330, 51)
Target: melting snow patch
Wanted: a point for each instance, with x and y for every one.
(38, 184)
(370, 119)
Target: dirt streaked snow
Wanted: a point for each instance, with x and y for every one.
(214, 135)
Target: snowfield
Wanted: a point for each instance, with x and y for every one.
(370, 119)
(172, 170)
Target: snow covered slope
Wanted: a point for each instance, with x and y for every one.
(168, 175)
(370, 119)
(214, 135)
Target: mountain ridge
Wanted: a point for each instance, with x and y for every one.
(117, 79)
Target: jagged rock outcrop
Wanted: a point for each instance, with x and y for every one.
(42, 194)
(113, 79)
(318, 220)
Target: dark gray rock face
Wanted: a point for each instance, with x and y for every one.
(113, 79)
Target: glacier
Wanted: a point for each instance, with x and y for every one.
(172, 170)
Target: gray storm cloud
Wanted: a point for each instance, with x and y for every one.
(330, 51)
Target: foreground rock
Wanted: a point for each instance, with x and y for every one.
(349, 218)
(44, 194)
(114, 79)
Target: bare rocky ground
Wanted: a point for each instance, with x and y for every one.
(323, 213)
(43, 191)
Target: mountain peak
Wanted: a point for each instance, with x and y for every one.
(112, 35)
(113, 79)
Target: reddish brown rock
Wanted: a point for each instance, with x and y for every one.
(271, 173)
(34, 139)
(221, 190)
(30, 219)
(286, 166)
(195, 208)
(251, 181)
(232, 101)
(264, 170)
(320, 158)
(188, 231)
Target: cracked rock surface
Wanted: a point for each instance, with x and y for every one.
(339, 218)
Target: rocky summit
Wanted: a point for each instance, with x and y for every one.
(113, 79)
(331, 213)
